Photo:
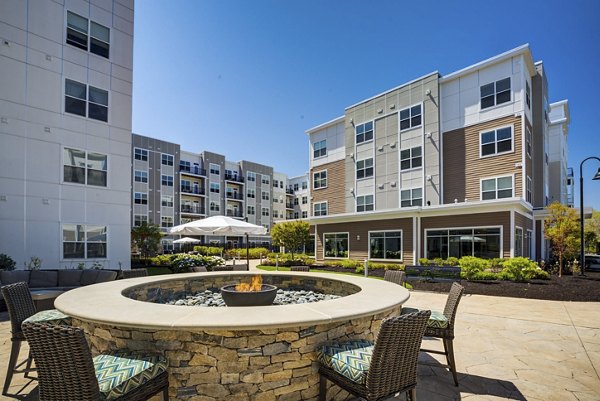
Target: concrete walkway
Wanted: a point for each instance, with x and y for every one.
(506, 348)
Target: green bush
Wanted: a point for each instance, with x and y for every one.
(470, 266)
(285, 259)
(253, 253)
(183, 263)
(333, 263)
(163, 260)
(424, 261)
(521, 269)
(451, 261)
(484, 275)
(496, 264)
(438, 262)
(351, 264)
(6, 262)
(208, 250)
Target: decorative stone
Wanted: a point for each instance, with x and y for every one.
(276, 348)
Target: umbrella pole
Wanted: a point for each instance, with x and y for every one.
(247, 253)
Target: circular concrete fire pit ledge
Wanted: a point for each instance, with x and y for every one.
(256, 353)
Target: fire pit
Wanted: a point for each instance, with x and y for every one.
(254, 294)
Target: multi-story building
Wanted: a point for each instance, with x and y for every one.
(297, 204)
(65, 130)
(444, 165)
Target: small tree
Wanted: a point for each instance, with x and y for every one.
(291, 234)
(561, 228)
(146, 239)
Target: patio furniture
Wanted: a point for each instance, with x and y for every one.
(299, 269)
(225, 268)
(240, 268)
(134, 273)
(376, 371)
(67, 371)
(199, 269)
(394, 276)
(441, 325)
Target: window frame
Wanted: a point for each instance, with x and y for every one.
(519, 252)
(251, 176)
(412, 160)
(513, 191)
(89, 36)
(87, 101)
(528, 94)
(321, 179)
(335, 234)
(472, 228)
(322, 149)
(365, 169)
(384, 250)
(364, 133)
(320, 211)
(143, 220)
(169, 179)
(212, 170)
(86, 168)
(214, 187)
(86, 242)
(142, 151)
(170, 159)
(529, 190)
(143, 175)
(166, 202)
(495, 93)
(410, 117)
(495, 131)
(141, 198)
(528, 142)
(263, 213)
(412, 199)
(365, 205)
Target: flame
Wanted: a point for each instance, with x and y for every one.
(255, 286)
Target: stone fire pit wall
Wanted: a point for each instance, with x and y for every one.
(244, 353)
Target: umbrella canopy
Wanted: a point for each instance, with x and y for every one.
(218, 225)
(186, 240)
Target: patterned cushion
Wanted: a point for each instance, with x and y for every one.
(436, 320)
(52, 316)
(121, 372)
(350, 359)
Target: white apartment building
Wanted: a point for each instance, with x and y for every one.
(65, 131)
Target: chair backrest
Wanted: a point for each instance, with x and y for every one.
(240, 268)
(19, 304)
(134, 273)
(394, 276)
(64, 362)
(454, 296)
(225, 268)
(393, 366)
(299, 269)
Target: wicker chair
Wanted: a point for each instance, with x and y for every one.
(299, 269)
(134, 273)
(67, 370)
(20, 307)
(394, 276)
(376, 372)
(441, 325)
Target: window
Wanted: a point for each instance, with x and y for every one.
(296, 215)
(364, 203)
(304, 214)
(295, 201)
(82, 167)
(264, 195)
(77, 35)
(410, 117)
(251, 176)
(304, 200)
(281, 184)
(528, 190)
(364, 132)
(215, 187)
(320, 149)
(251, 193)
(495, 93)
(364, 168)
(78, 97)
(265, 179)
(335, 245)
(265, 211)
(167, 160)
(186, 186)
(320, 209)
(141, 176)
(140, 198)
(84, 242)
(185, 166)
(251, 210)
(411, 158)
(411, 197)
(518, 241)
(497, 188)
(215, 169)
(166, 180)
(528, 138)
(385, 245)
(320, 179)
(528, 95)
(478, 242)
(304, 185)
(296, 187)
(140, 219)
(166, 221)
(496, 142)
(166, 201)
(214, 207)
(140, 154)
(275, 184)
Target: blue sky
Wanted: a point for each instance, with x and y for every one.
(248, 78)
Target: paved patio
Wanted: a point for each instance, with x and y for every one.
(506, 348)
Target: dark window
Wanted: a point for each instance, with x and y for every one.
(528, 95)
(98, 104)
(495, 93)
(75, 97)
(364, 203)
(320, 179)
(167, 160)
(140, 154)
(497, 141)
(99, 39)
(364, 132)
(410, 158)
(78, 28)
(410, 117)
(320, 149)
(364, 168)
(411, 197)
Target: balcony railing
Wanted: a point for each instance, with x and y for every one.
(289, 191)
(194, 191)
(233, 177)
(289, 205)
(193, 170)
(233, 195)
(233, 213)
(192, 209)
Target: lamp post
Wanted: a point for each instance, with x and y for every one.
(581, 222)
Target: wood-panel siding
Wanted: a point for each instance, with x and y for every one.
(359, 248)
(463, 168)
(335, 190)
(470, 221)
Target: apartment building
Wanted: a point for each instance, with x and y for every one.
(444, 165)
(297, 192)
(173, 186)
(65, 130)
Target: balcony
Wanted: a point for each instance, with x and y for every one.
(193, 191)
(234, 178)
(194, 170)
(234, 213)
(235, 196)
(289, 191)
(289, 205)
(192, 209)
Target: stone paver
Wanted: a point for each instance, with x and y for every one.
(506, 348)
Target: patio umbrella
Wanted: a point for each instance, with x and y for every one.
(220, 225)
(186, 240)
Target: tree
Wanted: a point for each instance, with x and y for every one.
(146, 239)
(291, 234)
(562, 229)
(592, 231)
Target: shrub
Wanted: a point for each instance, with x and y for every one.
(520, 269)
(424, 261)
(163, 260)
(333, 263)
(209, 250)
(485, 275)
(253, 253)
(285, 259)
(6, 262)
(385, 266)
(351, 264)
(438, 262)
(470, 266)
(451, 261)
(182, 263)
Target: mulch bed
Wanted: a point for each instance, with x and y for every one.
(565, 288)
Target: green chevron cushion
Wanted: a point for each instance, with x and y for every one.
(51, 316)
(350, 359)
(436, 320)
(121, 372)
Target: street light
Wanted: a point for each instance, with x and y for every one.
(596, 177)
